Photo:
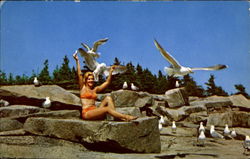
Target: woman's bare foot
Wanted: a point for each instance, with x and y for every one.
(129, 117)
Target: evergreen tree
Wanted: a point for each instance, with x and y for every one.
(140, 78)
(212, 89)
(162, 83)
(18, 79)
(3, 78)
(241, 90)
(65, 72)
(116, 61)
(191, 87)
(11, 79)
(148, 82)
(56, 75)
(44, 76)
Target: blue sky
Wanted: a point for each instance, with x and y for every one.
(197, 34)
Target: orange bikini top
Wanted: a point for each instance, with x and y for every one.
(88, 95)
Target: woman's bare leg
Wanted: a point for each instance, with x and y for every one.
(108, 102)
(100, 112)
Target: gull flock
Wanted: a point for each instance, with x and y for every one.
(203, 133)
(90, 56)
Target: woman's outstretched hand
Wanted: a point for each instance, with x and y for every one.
(111, 69)
(75, 55)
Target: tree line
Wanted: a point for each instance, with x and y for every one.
(66, 77)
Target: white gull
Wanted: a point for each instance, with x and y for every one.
(178, 70)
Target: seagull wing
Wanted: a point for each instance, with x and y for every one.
(211, 68)
(119, 69)
(99, 42)
(215, 134)
(83, 53)
(86, 46)
(167, 56)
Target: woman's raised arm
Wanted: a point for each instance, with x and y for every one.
(107, 82)
(78, 67)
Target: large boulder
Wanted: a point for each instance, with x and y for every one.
(176, 97)
(214, 103)
(241, 119)
(19, 110)
(41, 147)
(141, 135)
(240, 101)
(59, 114)
(9, 124)
(124, 98)
(198, 117)
(31, 95)
(220, 119)
(183, 112)
(233, 118)
(128, 98)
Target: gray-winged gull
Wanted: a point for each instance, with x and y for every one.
(133, 87)
(93, 50)
(99, 68)
(233, 133)
(201, 138)
(214, 133)
(178, 70)
(246, 144)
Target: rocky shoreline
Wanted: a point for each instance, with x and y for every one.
(27, 130)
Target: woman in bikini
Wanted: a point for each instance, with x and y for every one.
(88, 97)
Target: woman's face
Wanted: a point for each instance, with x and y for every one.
(90, 81)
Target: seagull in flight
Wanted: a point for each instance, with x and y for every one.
(98, 68)
(95, 47)
(178, 70)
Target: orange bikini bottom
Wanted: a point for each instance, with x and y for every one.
(85, 110)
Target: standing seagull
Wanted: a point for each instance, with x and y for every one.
(161, 121)
(98, 68)
(201, 139)
(125, 85)
(133, 87)
(246, 144)
(173, 127)
(95, 47)
(4, 103)
(233, 133)
(201, 128)
(178, 70)
(214, 133)
(47, 103)
(177, 85)
(36, 82)
(226, 130)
